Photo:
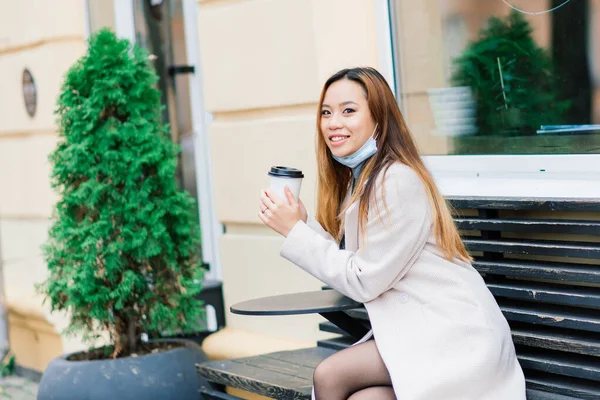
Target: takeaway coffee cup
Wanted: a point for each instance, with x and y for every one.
(280, 177)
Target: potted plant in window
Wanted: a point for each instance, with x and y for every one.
(511, 78)
(123, 250)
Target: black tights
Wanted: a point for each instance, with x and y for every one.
(355, 373)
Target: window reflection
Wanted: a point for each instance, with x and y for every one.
(479, 77)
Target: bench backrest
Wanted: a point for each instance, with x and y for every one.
(541, 260)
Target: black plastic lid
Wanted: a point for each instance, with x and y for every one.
(286, 172)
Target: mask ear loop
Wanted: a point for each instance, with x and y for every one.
(374, 130)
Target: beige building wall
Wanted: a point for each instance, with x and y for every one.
(46, 38)
(264, 62)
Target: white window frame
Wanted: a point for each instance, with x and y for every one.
(124, 19)
(212, 230)
(87, 23)
(539, 176)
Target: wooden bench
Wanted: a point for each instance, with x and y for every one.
(541, 261)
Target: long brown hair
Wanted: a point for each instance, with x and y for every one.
(395, 144)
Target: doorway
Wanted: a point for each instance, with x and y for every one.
(168, 30)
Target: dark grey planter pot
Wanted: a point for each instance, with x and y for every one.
(166, 375)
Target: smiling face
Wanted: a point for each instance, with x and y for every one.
(346, 121)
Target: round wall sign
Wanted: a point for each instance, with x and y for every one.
(29, 92)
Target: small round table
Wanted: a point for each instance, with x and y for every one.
(328, 303)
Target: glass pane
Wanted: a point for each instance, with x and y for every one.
(500, 76)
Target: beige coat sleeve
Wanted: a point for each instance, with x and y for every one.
(316, 226)
(393, 241)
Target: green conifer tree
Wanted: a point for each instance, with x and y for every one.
(512, 79)
(123, 252)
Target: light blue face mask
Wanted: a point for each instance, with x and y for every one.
(360, 155)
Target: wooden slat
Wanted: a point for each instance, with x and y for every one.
(330, 328)
(530, 225)
(308, 358)
(292, 368)
(566, 386)
(559, 316)
(337, 343)
(540, 270)
(560, 363)
(266, 375)
(514, 203)
(557, 339)
(281, 375)
(537, 247)
(530, 335)
(360, 313)
(540, 395)
(547, 293)
(256, 380)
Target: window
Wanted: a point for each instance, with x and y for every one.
(499, 77)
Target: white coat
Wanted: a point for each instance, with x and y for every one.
(436, 325)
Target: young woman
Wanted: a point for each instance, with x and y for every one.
(384, 236)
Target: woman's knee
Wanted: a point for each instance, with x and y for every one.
(325, 380)
(349, 371)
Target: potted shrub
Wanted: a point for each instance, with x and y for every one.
(123, 252)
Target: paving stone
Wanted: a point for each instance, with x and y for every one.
(18, 388)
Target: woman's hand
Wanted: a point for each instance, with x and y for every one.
(277, 214)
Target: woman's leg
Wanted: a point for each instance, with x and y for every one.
(374, 393)
(349, 371)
